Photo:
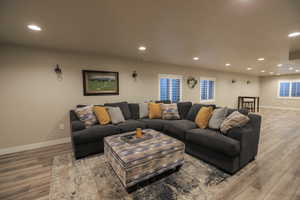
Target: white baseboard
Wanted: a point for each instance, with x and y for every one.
(34, 146)
(281, 108)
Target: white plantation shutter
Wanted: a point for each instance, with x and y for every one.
(170, 87)
(207, 89)
(284, 89)
(296, 89)
(289, 89)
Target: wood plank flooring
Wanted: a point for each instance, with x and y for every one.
(275, 174)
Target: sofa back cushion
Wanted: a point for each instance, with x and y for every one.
(218, 116)
(124, 108)
(169, 111)
(183, 109)
(102, 115)
(116, 115)
(134, 110)
(154, 110)
(195, 109)
(203, 116)
(164, 101)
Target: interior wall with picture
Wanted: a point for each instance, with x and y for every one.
(39, 101)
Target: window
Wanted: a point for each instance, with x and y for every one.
(207, 89)
(296, 89)
(289, 89)
(170, 87)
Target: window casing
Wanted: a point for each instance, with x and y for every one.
(207, 89)
(289, 89)
(170, 87)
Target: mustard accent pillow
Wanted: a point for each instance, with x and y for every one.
(102, 115)
(154, 110)
(203, 117)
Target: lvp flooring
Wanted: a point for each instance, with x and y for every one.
(275, 174)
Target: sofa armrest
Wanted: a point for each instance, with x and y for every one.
(248, 136)
(77, 125)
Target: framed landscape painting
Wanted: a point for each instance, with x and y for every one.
(100, 83)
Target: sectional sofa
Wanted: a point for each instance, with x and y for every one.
(229, 152)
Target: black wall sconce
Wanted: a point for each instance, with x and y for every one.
(57, 70)
(134, 74)
(233, 81)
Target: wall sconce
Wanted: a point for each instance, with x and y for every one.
(57, 70)
(134, 74)
(233, 81)
(248, 82)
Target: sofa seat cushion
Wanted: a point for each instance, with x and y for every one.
(130, 125)
(177, 128)
(156, 124)
(213, 140)
(94, 133)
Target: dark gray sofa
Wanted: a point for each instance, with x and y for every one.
(229, 152)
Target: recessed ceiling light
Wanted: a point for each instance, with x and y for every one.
(297, 70)
(142, 48)
(260, 59)
(34, 27)
(249, 68)
(271, 72)
(291, 68)
(228, 64)
(295, 34)
(262, 71)
(196, 58)
(279, 65)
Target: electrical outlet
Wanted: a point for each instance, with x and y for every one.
(61, 127)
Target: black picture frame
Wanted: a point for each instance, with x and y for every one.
(90, 77)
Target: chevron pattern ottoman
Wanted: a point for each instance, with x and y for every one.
(137, 159)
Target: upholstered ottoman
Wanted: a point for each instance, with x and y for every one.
(137, 159)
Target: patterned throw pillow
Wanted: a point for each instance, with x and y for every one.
(169, 111)
(86, 115)
(235, 119)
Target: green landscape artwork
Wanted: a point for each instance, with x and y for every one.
(100, 82)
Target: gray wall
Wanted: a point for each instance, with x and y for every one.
(34, 102)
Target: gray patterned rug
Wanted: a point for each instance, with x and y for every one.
(93, 179)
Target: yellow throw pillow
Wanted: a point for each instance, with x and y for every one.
(154, 110)
(203, 117)
(102, 115)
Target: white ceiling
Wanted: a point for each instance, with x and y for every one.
(174, 31)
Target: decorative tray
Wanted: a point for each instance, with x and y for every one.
(132, 139)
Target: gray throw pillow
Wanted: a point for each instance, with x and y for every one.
(144, 112)
(116, 115)
(235, 119)
(217, 118)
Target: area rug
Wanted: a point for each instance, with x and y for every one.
(93, 179)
